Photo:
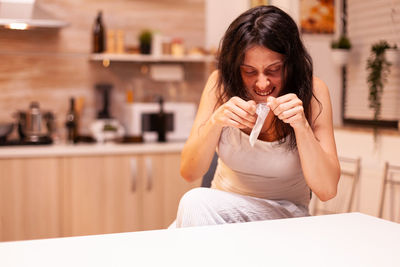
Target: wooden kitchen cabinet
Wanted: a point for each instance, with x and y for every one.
(29, 198)
(109, 194)
(152, 183)
(174, 186)
(91, 194)
(101, 195)
(161, 199)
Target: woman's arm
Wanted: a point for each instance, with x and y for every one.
(211, 117)
(316, 143)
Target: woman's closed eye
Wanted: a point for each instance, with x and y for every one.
(274, 70)
(249, 71)
(270, 71)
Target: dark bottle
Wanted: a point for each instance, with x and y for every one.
(72, 123)
(161, 122)
(99, 44)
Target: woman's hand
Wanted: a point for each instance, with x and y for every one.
(236, 112)
(289, 109)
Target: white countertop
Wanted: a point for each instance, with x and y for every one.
(87, 149)
(351, 239)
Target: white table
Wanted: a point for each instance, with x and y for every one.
(351, 239)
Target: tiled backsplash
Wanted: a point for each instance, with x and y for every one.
(51, 66)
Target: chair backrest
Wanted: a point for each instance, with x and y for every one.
(390, 197)
(208, 177)
(343, 201)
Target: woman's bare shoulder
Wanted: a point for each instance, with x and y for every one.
(213, 79)
(319, 87)
(214, 74)
(321, 103)
(213, 85)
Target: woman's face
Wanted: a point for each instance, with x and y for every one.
(262, 73)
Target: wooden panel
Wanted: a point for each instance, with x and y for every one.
(50, 66)
(98, 196)
(42, 198)
(122, 194)
(151, 184)
(174, 186)
(29, 199)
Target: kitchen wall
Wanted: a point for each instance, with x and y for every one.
(50, 66)
(373, 154)
(318, 45)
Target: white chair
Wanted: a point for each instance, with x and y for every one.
(343, 201)
(390, 198)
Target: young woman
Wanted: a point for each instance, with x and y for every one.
(261, 60)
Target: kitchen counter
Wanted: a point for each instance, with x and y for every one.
(367, 130)
(62, 150)
(351, 239)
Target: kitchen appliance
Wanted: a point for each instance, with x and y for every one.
(35, 126)
(104, 90)
(25, 14)
(5, 130)
(105, 128)
(141, 119)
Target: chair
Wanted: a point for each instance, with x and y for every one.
(390, 198)
(343, 201)
(208, 177)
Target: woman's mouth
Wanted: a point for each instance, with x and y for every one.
(264, 92)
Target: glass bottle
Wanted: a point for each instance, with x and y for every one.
(72, 123)
(99, 44)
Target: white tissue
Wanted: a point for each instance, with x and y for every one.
(262, 111)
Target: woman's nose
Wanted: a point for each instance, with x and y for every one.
(262, 81)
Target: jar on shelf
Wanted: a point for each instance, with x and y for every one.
(177, 48)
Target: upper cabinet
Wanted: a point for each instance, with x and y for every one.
(24, 15)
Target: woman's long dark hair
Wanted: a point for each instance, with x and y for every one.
(272, 28)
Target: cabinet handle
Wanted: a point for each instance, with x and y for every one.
(133, 173)
(149, 173)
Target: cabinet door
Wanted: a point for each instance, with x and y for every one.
(174, 186)
(29, 199)
(162, 188)
(101, 195)
(151, 184)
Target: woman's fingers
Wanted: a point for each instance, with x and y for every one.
(247, 106)
(240, 115)
(284, 103)
(288, 108)
(241, 120)
(241, 111)
(237, 113)
(290, 112)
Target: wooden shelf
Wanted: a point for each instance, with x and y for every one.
(150, 58)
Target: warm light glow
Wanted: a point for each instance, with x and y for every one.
(17, 26)
(106, 62)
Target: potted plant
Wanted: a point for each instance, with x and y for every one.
(378, 68)
(145, 38)
(392, 55)
(340, 50)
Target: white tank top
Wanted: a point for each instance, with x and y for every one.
(268, 170)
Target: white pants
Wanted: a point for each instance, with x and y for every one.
(208, 206)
